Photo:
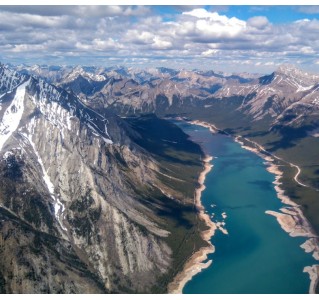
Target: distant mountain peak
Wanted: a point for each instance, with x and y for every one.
(287, 68)
(293, 71)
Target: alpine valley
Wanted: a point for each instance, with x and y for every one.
(97, 184)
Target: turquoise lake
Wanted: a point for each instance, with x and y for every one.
(257, 256)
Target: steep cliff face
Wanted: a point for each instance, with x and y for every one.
(72, 217)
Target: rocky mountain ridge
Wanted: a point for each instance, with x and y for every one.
(67, 197)
(286, 96)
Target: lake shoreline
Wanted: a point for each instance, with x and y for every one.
(291, 218)
(195, 263)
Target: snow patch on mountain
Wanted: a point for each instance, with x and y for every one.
(79, 71)
(9, 79)
(58, 205)
(48, 101)
(12, 115)
(55, 114)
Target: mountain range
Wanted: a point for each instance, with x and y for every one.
(286, 91)
(93, 174)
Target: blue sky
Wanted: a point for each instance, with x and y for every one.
(226, 38)
(277, 14)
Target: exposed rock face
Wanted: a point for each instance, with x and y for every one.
(288, 92)
(70, 220)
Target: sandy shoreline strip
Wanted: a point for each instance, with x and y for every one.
(196, 262)
(212, 128)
